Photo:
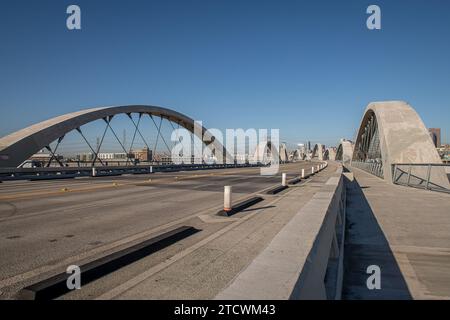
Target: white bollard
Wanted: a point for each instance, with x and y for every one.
(312, 169)
(303, 173)
(94, 171)
(283, 179)
(151, 169)
(227, 198)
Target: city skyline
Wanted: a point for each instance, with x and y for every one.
(254, 66)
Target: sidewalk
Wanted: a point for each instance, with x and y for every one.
(405, 231)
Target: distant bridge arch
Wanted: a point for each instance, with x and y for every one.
(344, 151)
(330, 154)
(318, 152)
(17, 147)
(266, 151)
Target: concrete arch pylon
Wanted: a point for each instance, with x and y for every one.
(330, 154)
(344, 151)
(403, 137)
(18, 146)
(283, 153)
(265, 152)
(318, 152)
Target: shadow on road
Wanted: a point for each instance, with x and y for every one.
(365, 245)
(258, 208)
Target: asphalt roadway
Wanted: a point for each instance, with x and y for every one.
(47, 225)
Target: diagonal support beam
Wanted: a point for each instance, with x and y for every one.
(173, 128)
(99, 146)
(87, 142)
(135, 129)
(53, 152)
(108, 122)
(159, 134)
(164, 140)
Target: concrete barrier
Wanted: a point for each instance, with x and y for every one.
(305, 259)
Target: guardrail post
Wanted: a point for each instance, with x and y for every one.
(409, 175)
(283, 179)
(227, 198)
(428, 176)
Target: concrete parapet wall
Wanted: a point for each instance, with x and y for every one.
(305, 259)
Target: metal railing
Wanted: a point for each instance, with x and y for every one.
(375, 168)
(72, 172)
(428, 176)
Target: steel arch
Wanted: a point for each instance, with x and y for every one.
(18, 146)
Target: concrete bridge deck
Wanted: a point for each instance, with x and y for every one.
(43, 229)
(402, 230)
(405, 232)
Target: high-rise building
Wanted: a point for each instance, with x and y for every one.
(435, 134)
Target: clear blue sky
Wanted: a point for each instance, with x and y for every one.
(306, 67)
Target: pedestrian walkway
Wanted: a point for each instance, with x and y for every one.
(404, 231)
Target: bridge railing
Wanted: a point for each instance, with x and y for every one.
(375, 168)
(428, 176)
(72, 172)
(305, 260)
